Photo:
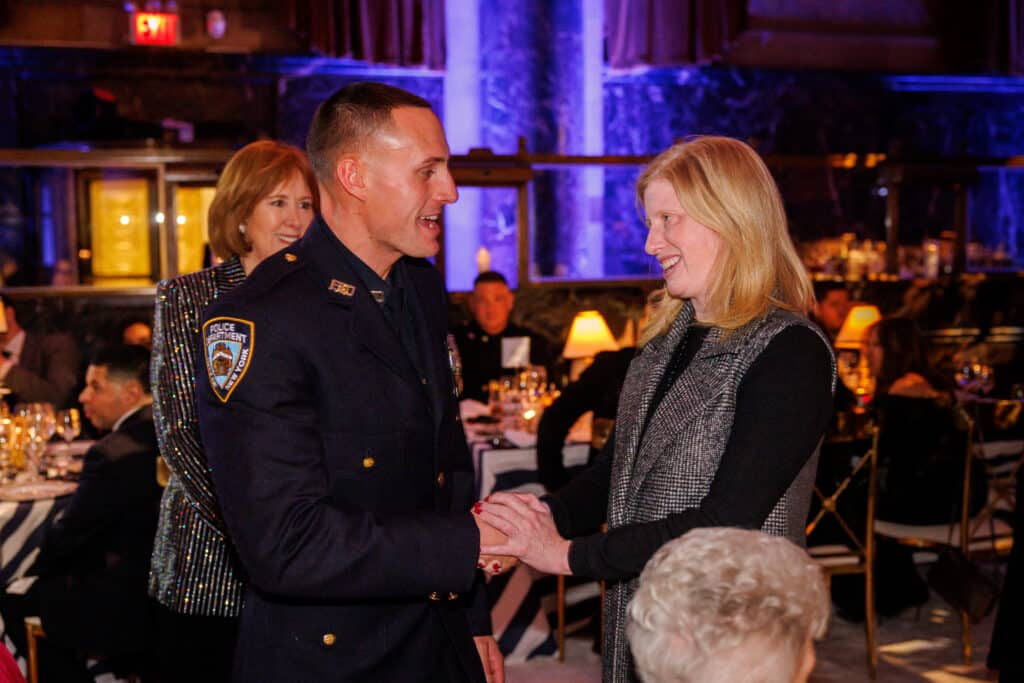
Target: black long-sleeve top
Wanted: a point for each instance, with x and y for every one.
(783, 405)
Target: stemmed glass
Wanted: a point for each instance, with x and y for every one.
(986, 379)
(7, 439)
(964, 375)
(69, 426)
(33, 447)
(40, 425)
(975, 377)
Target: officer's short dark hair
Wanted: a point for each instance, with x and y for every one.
(490, 276)
(124, 362)
(348, 117)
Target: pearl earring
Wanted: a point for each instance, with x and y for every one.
(241, 228)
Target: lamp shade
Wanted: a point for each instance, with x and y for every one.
(588, 336)
(860, 317)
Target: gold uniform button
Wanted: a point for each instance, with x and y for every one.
(329, 639)
(434, 596)
(368, 463)
(423, 381)
(440, 480)
(292, 258)
(453, 596)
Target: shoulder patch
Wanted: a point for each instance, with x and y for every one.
(229, 344)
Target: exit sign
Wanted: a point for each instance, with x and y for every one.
(154, 28)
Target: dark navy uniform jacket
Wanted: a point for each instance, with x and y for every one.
(343, 474)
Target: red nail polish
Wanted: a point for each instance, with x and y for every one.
(477, 507)
(480, 564)
(496, 566)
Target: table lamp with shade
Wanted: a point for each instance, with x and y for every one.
(851, 343)
(588, 336)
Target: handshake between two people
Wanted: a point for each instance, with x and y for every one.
(518, 527)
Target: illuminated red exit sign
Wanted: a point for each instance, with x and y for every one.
(154, 28)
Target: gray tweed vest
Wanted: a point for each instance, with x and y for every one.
(671, 469)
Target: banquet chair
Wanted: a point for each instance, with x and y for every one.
(954, 534)
(990, 527)
(560, 615)
(856, 553)
(34, 631)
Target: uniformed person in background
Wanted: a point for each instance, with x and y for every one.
(327, 407)
(479, 340)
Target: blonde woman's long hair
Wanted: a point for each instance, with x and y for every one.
(723, 184)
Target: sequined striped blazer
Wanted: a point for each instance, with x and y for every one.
(193, 569)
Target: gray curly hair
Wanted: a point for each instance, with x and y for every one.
(723, 604)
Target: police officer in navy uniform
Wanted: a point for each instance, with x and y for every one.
(479, 340)
(327, 407)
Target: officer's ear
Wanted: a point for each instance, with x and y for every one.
(349, 173)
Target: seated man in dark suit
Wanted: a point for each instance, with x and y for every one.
(34, 366)
(479, 340)
(94, 562)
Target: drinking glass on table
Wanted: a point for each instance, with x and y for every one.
(69, 426)
(965, 374)
(975, 377)
(7, 444)
(40, 424)
(986, 376)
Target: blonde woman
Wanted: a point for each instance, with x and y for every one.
(723, 409)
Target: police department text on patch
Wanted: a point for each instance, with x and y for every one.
(229, 344)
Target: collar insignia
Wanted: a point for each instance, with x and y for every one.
(229, 344)
(377, 295)
(343, 288)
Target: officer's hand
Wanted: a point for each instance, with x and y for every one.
(532, 534)
(492, 564)
(491, 658)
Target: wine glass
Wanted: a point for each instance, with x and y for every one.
(976, 377)
(964, 374)
(7, 439)
(986, 376)
(69, 425)
(40, 426)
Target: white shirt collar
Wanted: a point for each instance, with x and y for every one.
(120, 420)
(15, 344)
